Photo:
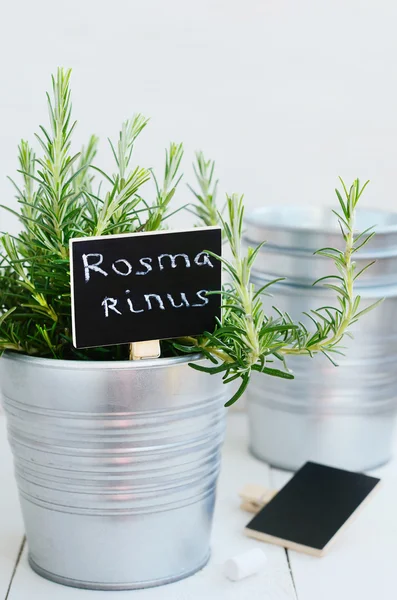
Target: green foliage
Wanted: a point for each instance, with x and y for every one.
(60, 198)
(249, 340)
(205, 208)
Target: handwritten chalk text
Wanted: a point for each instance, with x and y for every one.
(93, 263)
(154, 302)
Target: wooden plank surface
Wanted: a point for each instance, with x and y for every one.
(274, 583)
(11, 528)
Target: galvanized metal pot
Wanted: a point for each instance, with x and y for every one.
(116, 464)
(342, 416)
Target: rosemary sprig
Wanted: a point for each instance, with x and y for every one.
(249, 340)
(119, 206)
(333, 323)
(84, 178)
(165, 193)
(206, 207)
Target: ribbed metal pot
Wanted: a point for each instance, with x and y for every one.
(116, 465)
(342, 416)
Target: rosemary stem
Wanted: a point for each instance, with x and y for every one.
(221, 354)
(348, 278)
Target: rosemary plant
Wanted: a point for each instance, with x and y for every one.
(60, 198)
(249, 340)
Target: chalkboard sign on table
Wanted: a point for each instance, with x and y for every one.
(144, 286)
(312, 508)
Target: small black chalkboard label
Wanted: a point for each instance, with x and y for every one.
(145, 286)
(309, 511)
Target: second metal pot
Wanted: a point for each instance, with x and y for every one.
(343, 416)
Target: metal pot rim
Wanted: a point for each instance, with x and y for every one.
(291, 287)
(121, 365)
(257, 217)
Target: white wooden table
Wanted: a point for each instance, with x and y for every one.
(361, 565)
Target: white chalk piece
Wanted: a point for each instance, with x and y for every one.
(245, 564)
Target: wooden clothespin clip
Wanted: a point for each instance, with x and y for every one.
(254, 497)
(142, 350)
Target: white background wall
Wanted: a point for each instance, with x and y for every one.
(284, 94)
